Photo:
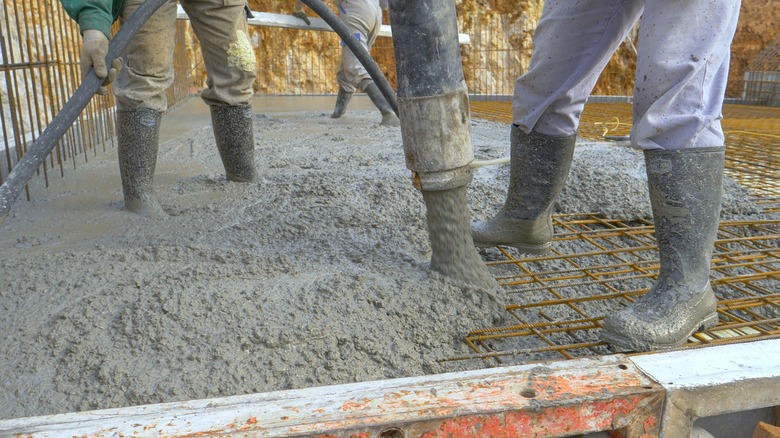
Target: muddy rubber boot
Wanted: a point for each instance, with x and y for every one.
(138, 133)
(235, 138)
(342, 100)
(388, 115)
(539, 167)
(685, 195)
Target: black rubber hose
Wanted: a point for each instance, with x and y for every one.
(361, 54)
(42, 147)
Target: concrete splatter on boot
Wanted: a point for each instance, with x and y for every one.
(138, 133)
(388, 115)
(685, 193)
(539, 165)
(235, 138)
(342, 100)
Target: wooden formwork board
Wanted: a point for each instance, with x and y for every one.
(651, 395)
(539, 400)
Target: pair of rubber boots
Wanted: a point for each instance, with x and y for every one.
(685, 188)
(138, 138)
(388, 115)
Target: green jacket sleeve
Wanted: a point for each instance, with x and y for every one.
(93, 14)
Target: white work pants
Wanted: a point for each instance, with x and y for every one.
(680, 81)
(221, 28)
(364, 19)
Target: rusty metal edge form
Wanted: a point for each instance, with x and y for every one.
(541, 400)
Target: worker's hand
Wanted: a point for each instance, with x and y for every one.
(302, 16)
(93, 55)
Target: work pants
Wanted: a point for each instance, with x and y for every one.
(221, 28)
(364, 19)
(683, 55)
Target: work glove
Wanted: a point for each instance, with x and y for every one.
(302, 16)
(93, 55)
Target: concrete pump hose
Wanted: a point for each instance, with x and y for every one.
(361, 54)
(42, 147)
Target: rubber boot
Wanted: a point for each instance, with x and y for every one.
(685, 195)
(235, 138)
(138, 133)
(539, 165)
(388, 115)
(342, 100)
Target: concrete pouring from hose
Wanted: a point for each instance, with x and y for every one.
(435, 128)
(436, 132)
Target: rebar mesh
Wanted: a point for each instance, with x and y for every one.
(599, 264)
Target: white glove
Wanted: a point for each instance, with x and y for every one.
(93, 55)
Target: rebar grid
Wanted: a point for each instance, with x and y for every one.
(599, 265)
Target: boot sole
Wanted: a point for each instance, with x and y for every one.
(627, 343)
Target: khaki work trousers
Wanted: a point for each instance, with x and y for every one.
(221, 28)
(364, 18)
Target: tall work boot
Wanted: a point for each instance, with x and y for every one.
(342, 100)
(138, 141)
(539, 167)
(685, 194)
(235, 138)
(388, 115)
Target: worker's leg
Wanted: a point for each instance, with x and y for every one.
(539, 167)
(148, 68)
(573, 43)
(682, 74)
(681, 81)
(342, 100)
(221, 28)
(351, 71)
(389, 118)
(138, 137)
(365, 20)
(140, 93)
